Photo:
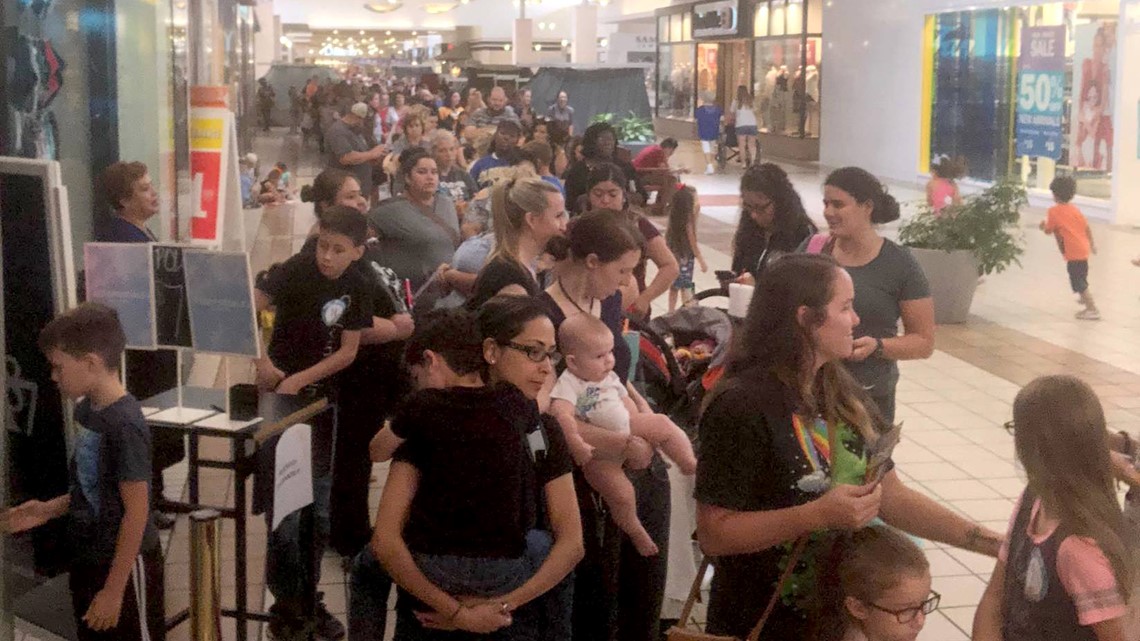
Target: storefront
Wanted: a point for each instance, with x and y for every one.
(1027, 91)
(708, 51)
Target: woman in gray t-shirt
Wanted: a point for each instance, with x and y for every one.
(419, 230)
(889, 283)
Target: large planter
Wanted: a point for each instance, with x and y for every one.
(953, 278)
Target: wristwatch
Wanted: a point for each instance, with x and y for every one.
(878, 351)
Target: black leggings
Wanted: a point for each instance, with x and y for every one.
(359, 419)
(617, 592)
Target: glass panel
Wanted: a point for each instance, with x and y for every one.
(787, 95)
(971, 115)
(815, 16)
(687, 26)
(707, 69)
(663, 29)
(779, 11)
(795, 17)
(675, 74)
(676, 29)
(760, 24)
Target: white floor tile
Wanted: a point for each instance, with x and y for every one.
(939, 628)
(963, 617)
(959, 590)
(977, 563)
(942, 564)
(953, 490)
(985, 509)
(932, 471)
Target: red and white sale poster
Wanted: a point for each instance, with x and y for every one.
(209, 133)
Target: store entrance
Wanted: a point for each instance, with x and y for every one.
(721, 68)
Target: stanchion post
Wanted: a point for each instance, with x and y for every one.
(205, 576)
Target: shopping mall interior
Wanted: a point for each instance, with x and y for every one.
(211, 96)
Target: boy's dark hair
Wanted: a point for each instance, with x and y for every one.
(91, 328)
(339, 219)
(451, 333)
(1063, 188)
(669, 143)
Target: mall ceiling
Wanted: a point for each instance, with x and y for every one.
(408, 15)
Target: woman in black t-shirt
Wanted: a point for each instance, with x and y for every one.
(616, 590)
(599, 146)
(784, 439)
(466, 486)
(772, 221)
(526, 212)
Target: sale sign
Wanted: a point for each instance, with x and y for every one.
(208, 130)
(1041, 92)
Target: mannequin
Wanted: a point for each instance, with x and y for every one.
(781, 102)
(766, 98)
(812, 88)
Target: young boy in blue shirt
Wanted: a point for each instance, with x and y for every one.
(709, 117)
(116, 569)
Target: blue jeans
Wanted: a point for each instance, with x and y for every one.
(368, 589)
(286, 575)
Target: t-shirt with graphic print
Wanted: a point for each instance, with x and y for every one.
(313, 311)
(599, 403)
(757, 455)
(112, 446)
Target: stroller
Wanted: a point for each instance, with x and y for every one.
(677, 352)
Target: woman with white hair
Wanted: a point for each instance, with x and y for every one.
(453, 179)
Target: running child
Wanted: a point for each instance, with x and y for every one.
(1066, 568)
(709, 116)
(1074, 238)
(681, 236)
(590, 390)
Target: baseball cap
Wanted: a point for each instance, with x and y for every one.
(360, 110)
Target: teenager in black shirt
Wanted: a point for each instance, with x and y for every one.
(784, 452)
(464, 492)
(321, 306)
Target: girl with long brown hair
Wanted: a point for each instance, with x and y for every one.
(1066, 570)
(785, 440)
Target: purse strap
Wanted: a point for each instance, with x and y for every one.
(694, 592)
(793, 559)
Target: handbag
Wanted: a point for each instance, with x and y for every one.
(679, 631)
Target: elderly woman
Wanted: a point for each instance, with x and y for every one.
(453, 179)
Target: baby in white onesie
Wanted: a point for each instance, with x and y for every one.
(589, 390)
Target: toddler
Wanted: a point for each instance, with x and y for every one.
(590, 390)
(681, 237)
(1074, 238)
(942, 189)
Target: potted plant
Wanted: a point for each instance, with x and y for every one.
(633, 132)
(979, 237)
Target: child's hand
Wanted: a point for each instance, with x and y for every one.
(703, 264)
(1041, 225)
(581, 451)
(23, 517)
(104, 611)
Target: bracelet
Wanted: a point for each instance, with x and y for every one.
(454, 615)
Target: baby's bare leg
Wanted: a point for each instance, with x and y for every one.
(611, 482)
(662, 432)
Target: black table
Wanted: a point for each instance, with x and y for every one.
(278, 412)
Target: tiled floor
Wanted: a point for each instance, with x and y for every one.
(952, 405)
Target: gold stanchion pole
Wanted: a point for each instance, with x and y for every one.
(205, 576)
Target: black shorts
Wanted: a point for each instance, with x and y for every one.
(1079, 275)
(142, 615)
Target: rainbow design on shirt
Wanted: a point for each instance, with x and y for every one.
(813, 441)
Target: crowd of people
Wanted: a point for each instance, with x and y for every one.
(471, 327)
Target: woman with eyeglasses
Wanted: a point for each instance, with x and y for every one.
(772, 221)
(478, 523)
(786, 440)
(617, 591)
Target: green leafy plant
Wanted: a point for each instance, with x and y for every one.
(631, 128)
(985, 224)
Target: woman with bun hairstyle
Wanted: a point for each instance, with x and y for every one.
(333, 187)
(889, 283)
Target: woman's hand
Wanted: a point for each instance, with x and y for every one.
(25, 516)
(480, 618)
(640, 306)
(849, 507)
(863, 346)
(1124, 468)
(289, 386)
(745, 279)
(638, 453)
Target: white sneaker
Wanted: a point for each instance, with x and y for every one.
(708, 170)
(1088, 314)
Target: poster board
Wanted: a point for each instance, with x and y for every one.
(217, 220)
(172, 312)
(1041, 92)
(121, 276)
(223, 317)
(39, 283)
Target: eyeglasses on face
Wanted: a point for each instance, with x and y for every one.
(1009, 426)
(535, 353)
(755, 208)
(906, 615)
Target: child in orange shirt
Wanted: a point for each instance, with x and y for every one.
(1075, 240)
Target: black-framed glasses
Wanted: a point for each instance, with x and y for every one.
(535, 353)
(906, 615)
(755, 208)
(1009, 426)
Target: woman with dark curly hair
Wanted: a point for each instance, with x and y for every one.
(772, 221)
(599, 145)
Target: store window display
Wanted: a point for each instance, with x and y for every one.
(787, 65)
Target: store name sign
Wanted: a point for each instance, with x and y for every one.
(1041, 92)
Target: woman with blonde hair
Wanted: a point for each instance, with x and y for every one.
(526, 212)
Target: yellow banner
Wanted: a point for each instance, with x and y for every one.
(207, 134)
